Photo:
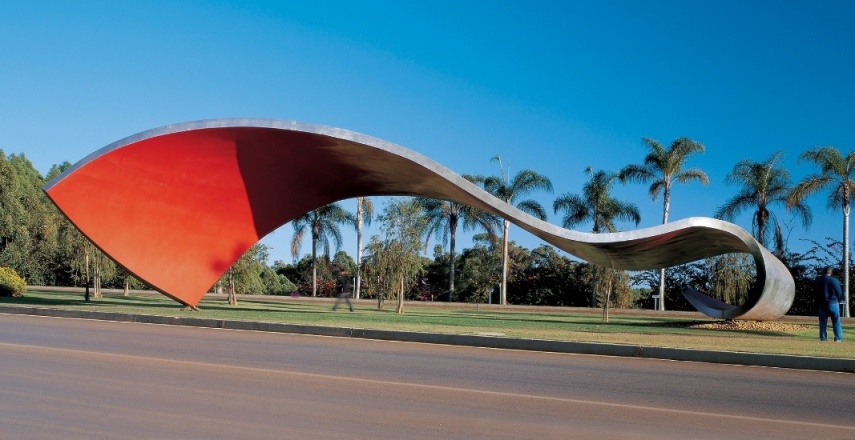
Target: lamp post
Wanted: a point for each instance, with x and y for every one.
(86, 296)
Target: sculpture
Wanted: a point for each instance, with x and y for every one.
(177, 205)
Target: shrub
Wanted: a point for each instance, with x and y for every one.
(326, 289)
(10, 283)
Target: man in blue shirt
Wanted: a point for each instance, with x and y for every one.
(828, 297)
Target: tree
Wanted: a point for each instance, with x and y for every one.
(103, 268)
(804, 268)
(364, 214)
(510, 191)
(126, 281)
(73, 255)
(343, 263)
(443, 218)
(436, 275)
(608, 280)
(662, 168)
(301, 273)
(693, 275)
(245, 275)
(324, 226)
(27, 232)
(762, 185)
(69, 258)
(597, 205)
(478, 267)
(730, 277)
(837, 173)
(550, 279)
(36, 239)
(395, 257)
(30, 225)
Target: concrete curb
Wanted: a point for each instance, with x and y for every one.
(592, 348)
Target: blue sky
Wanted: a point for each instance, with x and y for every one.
(552, 86)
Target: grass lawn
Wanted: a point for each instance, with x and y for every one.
(790, 335)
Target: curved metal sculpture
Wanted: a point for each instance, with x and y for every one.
(177, 205)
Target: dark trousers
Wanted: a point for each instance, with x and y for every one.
(343, 296)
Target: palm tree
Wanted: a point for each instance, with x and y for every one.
(509, 191)
(324, 225)
(662, 168)
(596, 205)
(443, 218)
(838, 173)
(364, 214)
(763, 184)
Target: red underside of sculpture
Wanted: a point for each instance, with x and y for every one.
(193, 201)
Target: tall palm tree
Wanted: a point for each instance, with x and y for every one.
(443, 218)
(763, 184)
(364, 214)
(510, 191)
(596, 205)
(662, 168)
(324, 226)
(838, 173)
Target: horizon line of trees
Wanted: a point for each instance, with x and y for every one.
(43, 247)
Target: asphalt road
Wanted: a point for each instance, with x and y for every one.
(71, 378)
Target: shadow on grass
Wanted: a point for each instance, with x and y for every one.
(541, 318)
(37, 301)
(453, 318)
(593, 323)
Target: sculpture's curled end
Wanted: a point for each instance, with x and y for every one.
(178, 205)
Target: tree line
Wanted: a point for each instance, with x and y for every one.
(43, 247)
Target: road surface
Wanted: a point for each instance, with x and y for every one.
(72, 378)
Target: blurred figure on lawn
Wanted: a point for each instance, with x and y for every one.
(345, 290)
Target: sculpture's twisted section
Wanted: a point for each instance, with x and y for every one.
(179, 204)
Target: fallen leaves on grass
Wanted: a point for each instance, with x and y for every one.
(749, 325)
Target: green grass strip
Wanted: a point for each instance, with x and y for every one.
(790, 335)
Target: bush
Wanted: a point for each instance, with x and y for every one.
(276, 284)
(10, 283)
(326, 289)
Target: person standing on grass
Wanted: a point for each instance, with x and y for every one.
(346, 291)
(828, 297)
